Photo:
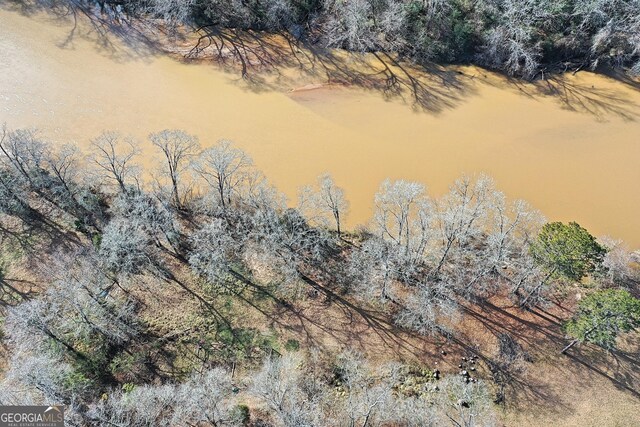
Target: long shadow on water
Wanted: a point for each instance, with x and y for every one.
(269, 62)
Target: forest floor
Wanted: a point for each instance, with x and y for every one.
(542, 387)
(587, 387)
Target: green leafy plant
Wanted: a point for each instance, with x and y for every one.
(242, 414)
(96, 239)
(292, 345)
(76, 382)
(602, 316)
(567, 250)
(128, 387)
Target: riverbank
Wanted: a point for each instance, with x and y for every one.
(568, 145)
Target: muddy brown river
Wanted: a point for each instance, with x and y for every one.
(570, 146)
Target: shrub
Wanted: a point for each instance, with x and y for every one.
(292, 345)
(242, 414)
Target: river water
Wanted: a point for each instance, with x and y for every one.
(570, 146)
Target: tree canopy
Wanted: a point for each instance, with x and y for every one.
(144, 292)
(523, 37)
(603, 315)
(567, 249)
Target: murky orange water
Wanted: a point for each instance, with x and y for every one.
(570, 147)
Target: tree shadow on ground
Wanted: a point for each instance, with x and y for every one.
(540, 332)
(618, 367)
(327, 321)
(576, 95)
(485, 322)
(15, 291)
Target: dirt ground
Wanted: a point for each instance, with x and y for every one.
(586, 387)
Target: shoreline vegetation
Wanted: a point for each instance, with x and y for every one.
(141, 301)
(526, 39)
(186, 291)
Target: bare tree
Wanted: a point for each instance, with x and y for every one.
(126, 249)
(283, 243)
(205, 398)
(279, 14)
(38, 378)
(415, 411)
(403, 215)
(140, 229)
(620, 266)
(49, 176)
(143, 406)
(115, 156)
(224, 168)
(213, 250)
(364, 25)
(14, 198)
(368, 396)
(174, 12)
(499, 253)
(59, 334)
(65, 168)
(74, 307)
(428, 306)
(23, 156)
(459, 216)
(374, 268)
(616, 24)
(326, 199)
(277, 384)
(513, 44)
(465, 404)
(178, 148)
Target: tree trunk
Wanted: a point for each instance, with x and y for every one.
(571, 344)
